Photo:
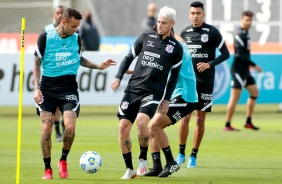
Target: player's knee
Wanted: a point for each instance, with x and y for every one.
(186, 119)
(153, 128)
(253, 97)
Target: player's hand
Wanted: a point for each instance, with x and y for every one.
(115, 84)
(38, 97)
(106, 64)
(258, 68)
(163, 107)
(202, 66)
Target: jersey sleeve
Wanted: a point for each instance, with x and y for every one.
(40, 45)
(220, 44)
(79, 45)
(133, 53)
(239, 44)
(175, 69)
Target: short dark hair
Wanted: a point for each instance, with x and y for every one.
(197, 4)
(59, 6)
(248, 13)
(70, 12)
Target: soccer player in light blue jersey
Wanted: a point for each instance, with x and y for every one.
(58, 52)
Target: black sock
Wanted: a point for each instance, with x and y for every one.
(128, 160)
(157, 164)
(63, 126)
(227, 124)
(194, 152)
(64, 154)
(57, 128)
(143, 152)
(168, 155)
(249, 120)
(47, 163)
(182, 149)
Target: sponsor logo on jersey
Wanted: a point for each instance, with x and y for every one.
(150, 43)
(188, 39)
(151, 35)
(63, 60)
(204, 38)
(205, 29)
(148, 60)
(152, 64)
(169, 48)
(66, 63)
(152, 54)
(177, 116)
(193, 49)
(72, 98)
(189, 30)
(221, 80)
(124, 105)
(172, 42)
(206, 96)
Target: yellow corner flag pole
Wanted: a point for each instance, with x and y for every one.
(20, 104)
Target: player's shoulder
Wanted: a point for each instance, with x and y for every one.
(209, 28)
(241, 32)
(147, 36)
(152, 34)
(49, 26)
(174, 42)
(42, 35)
(187, 29)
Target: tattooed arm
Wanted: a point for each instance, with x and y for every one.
(38, 97)
(88, 64)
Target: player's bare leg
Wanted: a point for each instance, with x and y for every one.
(183, 130)
(231, 106)
(158, 123)
(198, 136)
(253, 91)
(57, 125)
(68, 138)
(143, 137)
(125, 146)
(47, 119)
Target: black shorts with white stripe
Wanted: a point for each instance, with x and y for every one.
(134, 103)
(205, 97)
(178, 108)
(240, 81)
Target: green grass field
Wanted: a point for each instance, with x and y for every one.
(224, 157)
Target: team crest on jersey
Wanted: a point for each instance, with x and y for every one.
(204, 38)
(124, 105)
(169, 48)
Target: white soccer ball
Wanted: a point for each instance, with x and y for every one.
(90, 162)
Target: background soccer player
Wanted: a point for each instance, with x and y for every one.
(241, 77)
(203, 40)
(57, 17)
(158, 54)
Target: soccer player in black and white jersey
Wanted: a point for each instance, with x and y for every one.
(241, 77)
(203, 40)
(149, 87)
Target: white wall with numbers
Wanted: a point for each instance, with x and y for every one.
(267, 23)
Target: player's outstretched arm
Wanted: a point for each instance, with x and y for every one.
(88, 64)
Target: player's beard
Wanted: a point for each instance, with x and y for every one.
(65, 32)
